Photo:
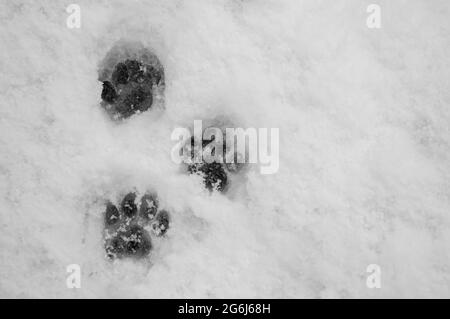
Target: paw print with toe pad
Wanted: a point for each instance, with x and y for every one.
(130, 226)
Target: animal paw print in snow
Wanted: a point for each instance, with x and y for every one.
(215, 174)
(132, 79)
(129, 229)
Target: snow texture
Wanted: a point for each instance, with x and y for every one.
(364, 172)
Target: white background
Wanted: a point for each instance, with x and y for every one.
(364, 173)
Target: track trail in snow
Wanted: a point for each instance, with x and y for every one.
(364, 149)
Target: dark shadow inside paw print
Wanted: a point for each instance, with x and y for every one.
(128, 205)
(149, 207)
(133, 78)
(214, 175)
(133, 241)
(128, 230)
(161, 225)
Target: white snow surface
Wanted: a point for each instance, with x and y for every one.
(364, 172)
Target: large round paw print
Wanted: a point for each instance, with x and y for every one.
(132, 78)
(130, 226)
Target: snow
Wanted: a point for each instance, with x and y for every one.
(364, 172)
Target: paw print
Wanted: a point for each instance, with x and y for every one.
(129, 229)
(214, 174)
(132, 78)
